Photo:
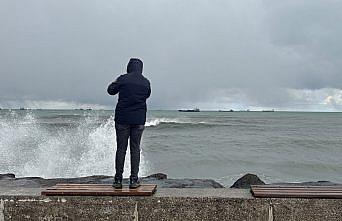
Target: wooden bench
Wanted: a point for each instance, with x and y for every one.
(293, 191)
(68, 189)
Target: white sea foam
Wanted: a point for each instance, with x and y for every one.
(156, 121)
(30, 149)
(153, 122)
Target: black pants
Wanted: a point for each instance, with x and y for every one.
(134, 133)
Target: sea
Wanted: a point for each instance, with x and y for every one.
(276, 146)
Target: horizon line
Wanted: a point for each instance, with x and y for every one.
(202, 110)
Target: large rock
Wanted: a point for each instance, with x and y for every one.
(247, 180)
(158, 176)
(183, 183)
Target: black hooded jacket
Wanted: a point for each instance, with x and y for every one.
(133, 89)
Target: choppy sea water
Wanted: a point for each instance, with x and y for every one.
(277, 146)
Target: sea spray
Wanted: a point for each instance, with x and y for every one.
(28, 147)
(18, 135)
(100, 152)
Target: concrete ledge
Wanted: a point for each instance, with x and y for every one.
(170, 204)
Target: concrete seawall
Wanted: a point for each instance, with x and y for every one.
(168, 204)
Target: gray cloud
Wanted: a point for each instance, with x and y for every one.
(210, 53)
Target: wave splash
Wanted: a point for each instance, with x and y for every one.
(28, 148)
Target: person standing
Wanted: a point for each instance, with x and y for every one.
(130, 117)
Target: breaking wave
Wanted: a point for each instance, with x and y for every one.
(156, 121)
(85, 147)
(175, 122)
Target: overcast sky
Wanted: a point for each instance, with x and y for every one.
(213, 54)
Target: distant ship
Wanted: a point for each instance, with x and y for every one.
(82, 109)
(268, 110)
(190, 110)
(231, 110)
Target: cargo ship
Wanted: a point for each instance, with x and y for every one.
(268, 110)
(190, 110)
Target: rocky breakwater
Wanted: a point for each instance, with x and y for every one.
(10, 181)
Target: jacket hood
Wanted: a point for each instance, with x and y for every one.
(135, 65)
